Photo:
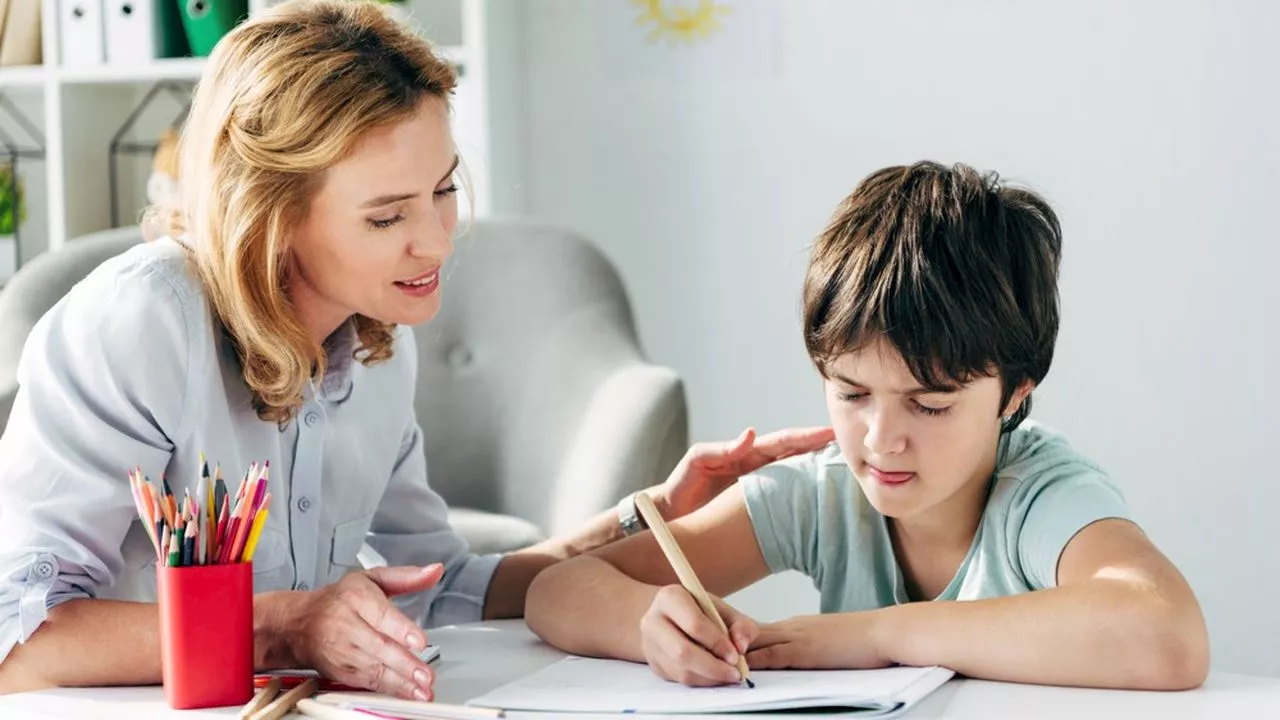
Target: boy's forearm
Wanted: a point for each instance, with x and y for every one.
(588, 607)
(1100, 633)
(515, 573)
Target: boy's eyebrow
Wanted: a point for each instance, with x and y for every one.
(937, 389)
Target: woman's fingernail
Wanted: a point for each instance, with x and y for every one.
(423, 679)
(414, 640)
(421, 696)
(731, 658)
(734, 676)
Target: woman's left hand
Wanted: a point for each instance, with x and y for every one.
(847, 641)
(707, 469)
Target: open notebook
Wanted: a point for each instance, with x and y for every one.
(614, 686)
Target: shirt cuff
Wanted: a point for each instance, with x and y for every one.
(462, 592)
(767, 530)
(26, 597)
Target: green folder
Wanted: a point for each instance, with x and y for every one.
(206, 21)
(168, 33)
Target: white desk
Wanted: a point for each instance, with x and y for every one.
(478, 658)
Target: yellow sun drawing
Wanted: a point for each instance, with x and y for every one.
(681, 24)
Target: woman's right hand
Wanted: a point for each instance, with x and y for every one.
(351, 632)
(683, 645)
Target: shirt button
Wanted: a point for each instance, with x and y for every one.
(304, 504)
(44, 569)
(303, 586)
(312, 418)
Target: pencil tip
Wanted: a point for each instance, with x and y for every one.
(750, 684)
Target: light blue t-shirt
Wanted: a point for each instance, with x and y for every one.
(810, 515)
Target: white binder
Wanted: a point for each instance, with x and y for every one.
(131, 28)
(80, 32)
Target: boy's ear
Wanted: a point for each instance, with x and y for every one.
(1019, 395)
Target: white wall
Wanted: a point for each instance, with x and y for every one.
(704, 171)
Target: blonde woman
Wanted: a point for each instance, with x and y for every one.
(318, 206)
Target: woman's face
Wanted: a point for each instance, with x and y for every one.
(379, 229)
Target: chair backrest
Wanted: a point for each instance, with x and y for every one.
(41, 283)
(526, 312)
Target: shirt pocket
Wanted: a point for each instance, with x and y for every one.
(348, 538)
(271, 567)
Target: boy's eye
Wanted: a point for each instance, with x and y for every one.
(384, 223)
(930, 410)
(851, 397)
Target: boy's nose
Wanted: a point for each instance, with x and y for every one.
(884, 436)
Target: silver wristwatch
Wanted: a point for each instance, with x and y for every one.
(629, 518)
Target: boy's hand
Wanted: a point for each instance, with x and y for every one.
(707, 469)
(845, 641)
(683, 645)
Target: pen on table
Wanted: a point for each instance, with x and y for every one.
(684, 571)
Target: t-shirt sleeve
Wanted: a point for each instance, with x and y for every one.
(782, 501)
(1050, 509)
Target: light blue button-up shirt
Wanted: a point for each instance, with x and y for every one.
(131, 369)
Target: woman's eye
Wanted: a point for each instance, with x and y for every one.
(384, 223)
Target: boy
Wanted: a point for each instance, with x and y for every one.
(931, 311)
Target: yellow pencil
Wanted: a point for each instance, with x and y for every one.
(254, 532)
(684, 571)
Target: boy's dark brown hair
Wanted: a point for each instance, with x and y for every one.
(957, 272)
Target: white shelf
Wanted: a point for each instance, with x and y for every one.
(22, 76)
(156, 70)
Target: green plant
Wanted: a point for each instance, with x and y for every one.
(12, 209)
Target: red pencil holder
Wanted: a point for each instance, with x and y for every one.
(206, 634)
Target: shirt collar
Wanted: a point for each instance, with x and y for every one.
(340, 355)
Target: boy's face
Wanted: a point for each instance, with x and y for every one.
(917, 452)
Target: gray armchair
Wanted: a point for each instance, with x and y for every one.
(538, 405)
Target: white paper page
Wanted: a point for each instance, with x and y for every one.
(614, 686)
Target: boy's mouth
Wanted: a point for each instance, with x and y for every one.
(885, 477)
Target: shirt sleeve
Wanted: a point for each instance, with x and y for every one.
(102, 382)
(411, 527)
(1051, 509)
(782, 501)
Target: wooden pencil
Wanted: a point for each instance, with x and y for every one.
(281, 706)
(264, 696)
(684, 571)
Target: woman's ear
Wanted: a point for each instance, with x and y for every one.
(1017, 398)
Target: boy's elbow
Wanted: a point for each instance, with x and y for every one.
(1179, 656)
(544, 599)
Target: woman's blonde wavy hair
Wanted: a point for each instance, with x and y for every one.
(285, 96)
